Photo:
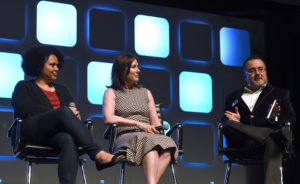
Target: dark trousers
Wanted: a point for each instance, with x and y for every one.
(61, 129)
(257, 138)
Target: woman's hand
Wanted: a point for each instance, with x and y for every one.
(147, 128)
(75, 112)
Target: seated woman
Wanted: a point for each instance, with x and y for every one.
(132, 108)
(48, 120)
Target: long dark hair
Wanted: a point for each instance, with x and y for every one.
(120, 70)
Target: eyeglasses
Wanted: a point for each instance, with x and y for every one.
(256, 70)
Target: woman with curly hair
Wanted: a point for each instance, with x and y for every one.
(48, 120)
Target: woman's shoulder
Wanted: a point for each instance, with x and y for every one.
(25, 83)
(145, 89)
(110, 91)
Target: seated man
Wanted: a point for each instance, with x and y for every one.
(253, 119)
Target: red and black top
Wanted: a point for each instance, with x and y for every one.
(53, 98)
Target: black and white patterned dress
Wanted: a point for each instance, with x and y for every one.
(133, 104)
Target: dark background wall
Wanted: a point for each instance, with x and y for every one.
(273, 36)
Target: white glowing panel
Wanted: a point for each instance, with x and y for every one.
(10, 73)
(195, 92)
(98, 77)
(56, 23)
(151, 36)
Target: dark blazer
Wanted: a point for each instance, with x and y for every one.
(29, 101)
(260, 111)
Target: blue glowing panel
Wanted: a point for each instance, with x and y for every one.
(151, 36)
(234, 46)
(195, 92)
(167, 123)
(98, 77)
(10, 73)
(56, 23)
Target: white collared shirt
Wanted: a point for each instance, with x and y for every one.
(251, 97)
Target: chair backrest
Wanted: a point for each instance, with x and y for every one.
(159, 113)
(15, 134)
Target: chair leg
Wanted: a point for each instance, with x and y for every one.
(29, 167)
(173, 173)
(82, 171)
(227, 173)
(122, 173)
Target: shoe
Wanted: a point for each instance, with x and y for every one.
(115, 159)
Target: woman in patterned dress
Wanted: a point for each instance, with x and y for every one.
(132, 107)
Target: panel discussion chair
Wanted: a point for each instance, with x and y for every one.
(245, 157)
(175, 132)
(38, 154)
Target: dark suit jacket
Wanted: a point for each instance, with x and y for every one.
(29, 101)
(260, 111)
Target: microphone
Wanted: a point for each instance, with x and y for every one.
(72, 104)
(162, 127)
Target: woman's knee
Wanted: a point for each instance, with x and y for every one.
(64, 140)
(166, 155)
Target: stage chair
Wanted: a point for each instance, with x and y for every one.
(36, 153)
(175, 132)
(244, 157)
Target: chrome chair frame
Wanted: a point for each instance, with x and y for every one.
(38, 154)
(110, 134)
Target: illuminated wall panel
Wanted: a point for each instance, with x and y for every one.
(10, 73)
(195, 92)
(56, 23)
(12, 20)
(151, 36)
(98, 77)
(234, 46)
(68, 76)
(195, 41)
(106, 30)
(153, 77)
(179, 52)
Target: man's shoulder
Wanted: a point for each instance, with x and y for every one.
(235, 93)
(275, 89)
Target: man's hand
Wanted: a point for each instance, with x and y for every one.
(275, 112)
(234, 116)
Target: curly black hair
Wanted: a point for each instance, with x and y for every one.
(35, 58)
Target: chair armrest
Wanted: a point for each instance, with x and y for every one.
(111, 134)
(178, 129)
(220, 138)
(15, 134)
(90, 125)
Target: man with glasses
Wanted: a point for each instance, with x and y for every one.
(255, 116)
